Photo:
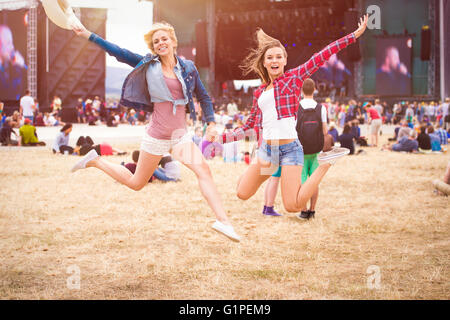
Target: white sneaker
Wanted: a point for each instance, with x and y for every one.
(332, 156)
(227, 230)
(91, 155)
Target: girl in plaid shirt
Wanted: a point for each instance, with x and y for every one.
(275, 105)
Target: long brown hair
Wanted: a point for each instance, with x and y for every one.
(254, 62)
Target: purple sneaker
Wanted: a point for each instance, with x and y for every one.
(269, 211)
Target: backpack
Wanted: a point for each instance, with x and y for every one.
(310, 129)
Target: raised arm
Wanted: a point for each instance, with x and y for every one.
(122, 55)
(241, 132)
(307, 69)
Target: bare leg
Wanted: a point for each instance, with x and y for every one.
(258, 172)
(271, 191)
(146, 165)
(376, 138)
(314, 199)
(191, 156)
(295, 196)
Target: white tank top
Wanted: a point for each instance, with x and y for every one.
(274, 129)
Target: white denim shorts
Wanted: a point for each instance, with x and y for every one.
(160, 147)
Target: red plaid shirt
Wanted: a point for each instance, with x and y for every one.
(287, 90)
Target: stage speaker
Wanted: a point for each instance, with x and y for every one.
(351, 24)
(69, 115)
(425, 48)
(201, 45)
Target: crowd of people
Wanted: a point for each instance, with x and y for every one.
(420, 126)
(291, 128)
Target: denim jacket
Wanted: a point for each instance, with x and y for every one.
(135, 90)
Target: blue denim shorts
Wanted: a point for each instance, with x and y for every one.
(290, 154)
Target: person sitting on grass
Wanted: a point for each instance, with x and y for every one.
(405, 144)
(61, 144)
(133, 165)
(405, 130)
(5, 134)
(51, 120)
(86, 144)
(346, 139)
(356, 132)
(169, 171)
(435, 140)
(111, 120)
(28, 135)
(16, 120)
(442, 135)
(424, 140)
(333, 131)
(92, 118)
(40, 120)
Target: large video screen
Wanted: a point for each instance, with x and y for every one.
(335, 73)
(394, 57)
(13, 54)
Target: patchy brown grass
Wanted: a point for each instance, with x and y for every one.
(374, 209)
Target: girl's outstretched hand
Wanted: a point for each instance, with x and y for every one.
(362, 26)
(80, 30)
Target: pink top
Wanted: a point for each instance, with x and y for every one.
(164, 125)
(373, 114)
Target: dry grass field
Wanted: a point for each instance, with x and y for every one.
(376, 209)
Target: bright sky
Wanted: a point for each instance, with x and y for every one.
(128, 21)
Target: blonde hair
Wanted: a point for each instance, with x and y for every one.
(148, 37)
(254, 62)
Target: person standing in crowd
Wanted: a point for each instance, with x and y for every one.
(270, 193)
(342, 115)
(375, 124)
(311, 129)
(167, 82)
(409, 114)
(379, 107)
(446, 114)
(232, 108)
(57, 107)
(27, 106)
(28, 135)
(96, 104)
(61, 144)
(81, 116)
